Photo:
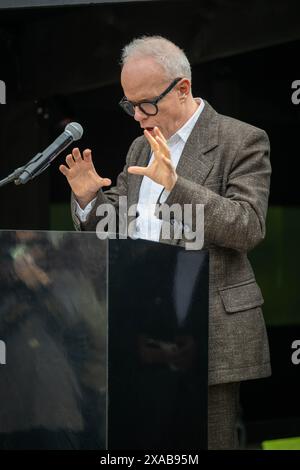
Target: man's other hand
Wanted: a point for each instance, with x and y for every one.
(161, 170)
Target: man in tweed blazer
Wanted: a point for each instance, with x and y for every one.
(196, 156)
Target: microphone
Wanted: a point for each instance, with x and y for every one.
(73, 131)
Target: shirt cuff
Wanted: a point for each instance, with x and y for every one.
(83, 214)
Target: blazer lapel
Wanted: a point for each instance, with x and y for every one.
(197, 159)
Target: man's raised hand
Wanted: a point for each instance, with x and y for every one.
(161, 170)
(82, 176)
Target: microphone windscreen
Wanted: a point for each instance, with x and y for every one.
(75, 130)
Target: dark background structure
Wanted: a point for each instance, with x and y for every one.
(59, 60)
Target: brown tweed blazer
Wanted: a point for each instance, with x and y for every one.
(225, 165)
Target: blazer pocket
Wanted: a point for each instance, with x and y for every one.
(242, 296)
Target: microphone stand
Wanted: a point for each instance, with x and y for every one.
(15, 175)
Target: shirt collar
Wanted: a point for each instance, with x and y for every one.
(184, 132)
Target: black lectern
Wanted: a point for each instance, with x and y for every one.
(103, 343)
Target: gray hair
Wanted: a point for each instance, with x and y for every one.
(163, 51)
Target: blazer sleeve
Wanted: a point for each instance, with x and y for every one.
(237, 219)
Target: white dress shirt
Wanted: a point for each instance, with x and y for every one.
(148, 226)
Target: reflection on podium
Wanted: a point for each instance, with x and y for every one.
(105, 341)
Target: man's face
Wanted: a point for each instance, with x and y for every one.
(144, 79)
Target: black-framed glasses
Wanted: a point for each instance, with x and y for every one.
(148, 107)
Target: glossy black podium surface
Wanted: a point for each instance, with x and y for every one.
(104, 343)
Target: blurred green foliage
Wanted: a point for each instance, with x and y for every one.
(276, 266)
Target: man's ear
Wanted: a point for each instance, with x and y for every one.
(184, 87)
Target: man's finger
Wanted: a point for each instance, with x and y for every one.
(64, 170)
(87, 155)
(69, 160)
(138, 170)
(154, 145)
(105, 181)
(158, 132)
(163, 147)
(76, 154)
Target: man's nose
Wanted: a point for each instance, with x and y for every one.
(138, 114)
